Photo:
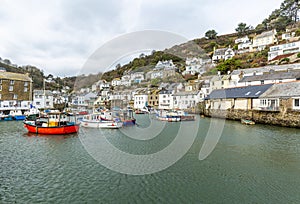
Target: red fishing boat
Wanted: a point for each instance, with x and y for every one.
(53, 124)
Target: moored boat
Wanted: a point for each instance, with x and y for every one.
(247, 122)
(17, 115)
(95, 121)
(126, 116)
(168, 116)
(174, 116)
(53, 124)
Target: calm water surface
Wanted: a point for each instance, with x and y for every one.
(250, 164)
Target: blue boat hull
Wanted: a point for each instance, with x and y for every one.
(19, 117)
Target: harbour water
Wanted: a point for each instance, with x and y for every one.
(250, 164)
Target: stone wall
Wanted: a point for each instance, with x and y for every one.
(285, 117)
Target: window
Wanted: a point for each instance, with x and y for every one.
(0, 81)
(262, 82)
(25, 89)
(297, 103)
(0, 96)
(38, 103)
(263, 103)
(26, 83)
(11, 88)
(12, 82)
(0, 87)
(15, 96)
(257, 92)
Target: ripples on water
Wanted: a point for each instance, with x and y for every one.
(251, 164)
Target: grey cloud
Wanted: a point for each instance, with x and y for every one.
(59, 35)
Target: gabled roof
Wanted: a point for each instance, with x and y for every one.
(283, 90)
(166, 92)
(14, 76)
(42, 92)
(265, 34)
(275, 76)
(186, 93)
(220, 51)
(88, 96)
(239, 92)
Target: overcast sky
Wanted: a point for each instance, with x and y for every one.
(59, 36)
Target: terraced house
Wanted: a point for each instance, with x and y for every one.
(15, 91)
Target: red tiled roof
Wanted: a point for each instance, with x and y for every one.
(279, 57)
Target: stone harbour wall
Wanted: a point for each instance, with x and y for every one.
(284, 117)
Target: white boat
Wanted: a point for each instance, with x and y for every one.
(174, 116)
(168, 116)
(95, 121)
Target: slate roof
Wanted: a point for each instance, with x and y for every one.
(220, 51)
(41, 92)
(283, 90)
(239, 92)
(186, 93)
(265, 34)
(14, 76)
(165, 92)
(267, 68)
(274, 76)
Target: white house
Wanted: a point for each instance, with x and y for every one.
(43, 99)
(167, 64)
(78, 100)
(277, 50)
(194, 65)
(222, 54)
(125, 80)
(243, 43)
(99, 85)
(84, 100)
(187, 99)
(137, 77)
(156, 74)
(262, 40)
(165, 100)
(288, 35)
(140, 100)
(116, 82)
